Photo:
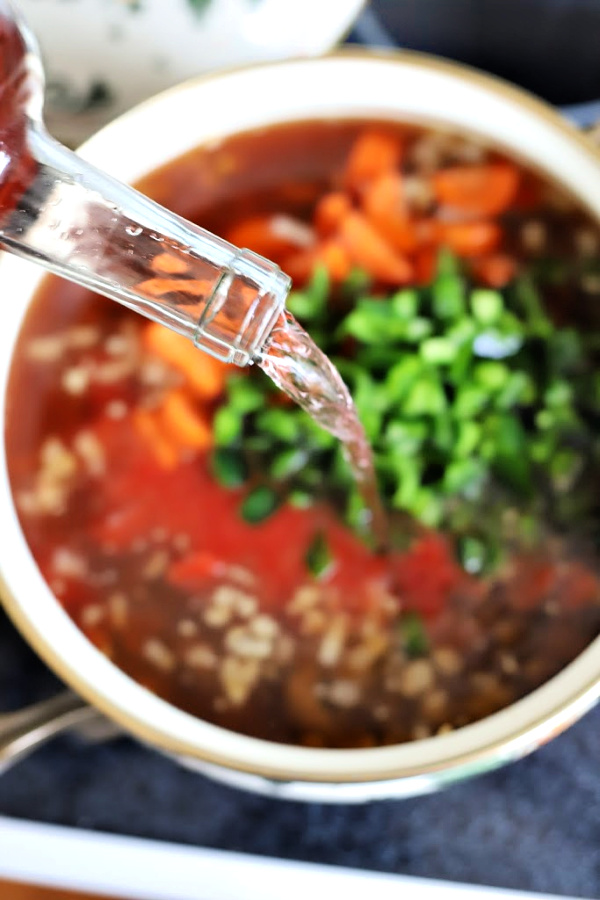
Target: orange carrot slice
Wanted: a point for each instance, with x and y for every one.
(168, 264)
(300, 265)
(470, 238)
(158, 287)
(330, 211)
(483, 190)
(148, 427)
(373, 153)
(204, 374)
(184, 424)
(334, 256)
(256, 233)
(384, 206)
(369, 250)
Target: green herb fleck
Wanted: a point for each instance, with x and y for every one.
(413, 635)
(259, 504)
(318, 558)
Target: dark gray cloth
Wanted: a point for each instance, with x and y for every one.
(534, 825)
(549, 47)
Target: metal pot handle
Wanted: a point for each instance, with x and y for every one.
(23, 731)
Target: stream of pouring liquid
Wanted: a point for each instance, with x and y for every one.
(297, 366)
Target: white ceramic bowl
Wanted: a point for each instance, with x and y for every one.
(395, 87)
(101, 58)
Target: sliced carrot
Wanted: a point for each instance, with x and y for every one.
(496, 270)
(184, 424)
(330, 211)
(369, 250)
(334, 256)
(331, 253)
(373, 153)
(256, 233)
(157, 287)
(205, 375)
(169, 264)
(300, 265)
(483, 190)
(383, 204)
(470, 238)
(146, 424)
(427, 231)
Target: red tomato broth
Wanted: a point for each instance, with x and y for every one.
(150, 555)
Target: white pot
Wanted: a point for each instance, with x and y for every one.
(400, 87)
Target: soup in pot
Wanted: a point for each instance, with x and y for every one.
(208, 537)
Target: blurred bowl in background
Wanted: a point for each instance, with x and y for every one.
(103, 58)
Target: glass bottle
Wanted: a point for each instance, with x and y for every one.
(61, 212)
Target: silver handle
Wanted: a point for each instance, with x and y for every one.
(27, 729)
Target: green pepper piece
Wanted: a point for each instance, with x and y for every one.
(405, 304)
(259, 504)
(405, 438)
(438, 351)
(427, 506)
(310, 303)
(448, 296)
(413, 635)
(245, 394)
(473, 554)
(229, 467)
(467, 438)
(487, 306)
(491, 375)
(402, 376)
(470, 401)
(227, 426)
(288, 463)
(280, 424)
(465, 476)
(318, 558)
(425, 398)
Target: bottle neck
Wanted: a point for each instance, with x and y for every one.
(89, 228)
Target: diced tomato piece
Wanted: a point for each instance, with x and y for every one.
(427, 574)
(533, 580)
(193, 570)
(581, 587)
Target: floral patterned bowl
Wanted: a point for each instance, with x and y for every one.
(104, 56)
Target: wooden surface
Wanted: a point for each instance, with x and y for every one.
(9, 890)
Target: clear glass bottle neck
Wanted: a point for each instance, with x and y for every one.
(89, 228)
